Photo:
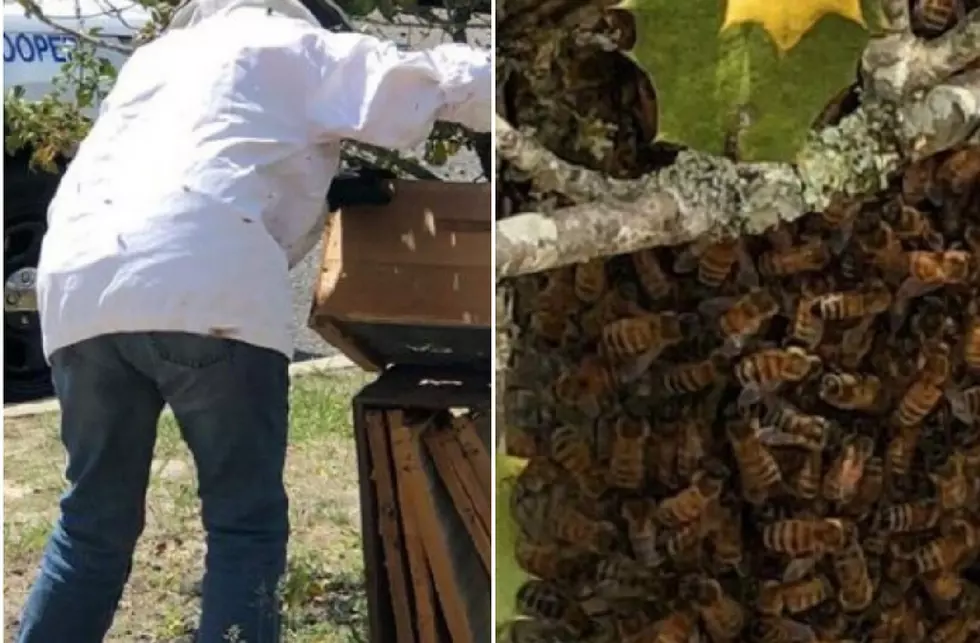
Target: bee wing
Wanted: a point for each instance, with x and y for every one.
(799, 632)
(747, 275)
(715, 307)
(636, 367)
(799, 568)
(686, 261)
(841, 237)
(958, 406)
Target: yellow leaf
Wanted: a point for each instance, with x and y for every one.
(787, 21)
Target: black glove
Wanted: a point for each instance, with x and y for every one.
(361, 186)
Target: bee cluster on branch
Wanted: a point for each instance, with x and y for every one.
(770, 439)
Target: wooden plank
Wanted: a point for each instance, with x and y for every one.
(381, 618)
(437, 546)
(447, 461)
(475, 450)
(388, 523)
(479, 498)
(417, 563)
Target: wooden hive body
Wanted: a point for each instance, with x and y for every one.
(409, 282)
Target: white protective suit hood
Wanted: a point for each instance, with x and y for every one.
(193, 12)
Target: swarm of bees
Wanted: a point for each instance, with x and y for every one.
(772, 439)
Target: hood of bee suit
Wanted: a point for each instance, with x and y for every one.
(193, 12)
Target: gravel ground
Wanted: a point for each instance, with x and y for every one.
(464, 167)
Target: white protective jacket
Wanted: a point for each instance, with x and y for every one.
(204, 178)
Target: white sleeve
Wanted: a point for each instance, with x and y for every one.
(371, 92)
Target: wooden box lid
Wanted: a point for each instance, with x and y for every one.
(410, 282)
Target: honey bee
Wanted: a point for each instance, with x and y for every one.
(856, 342)
(726, 539)
(943, 586)
(587, 386)
(626, 464)
(930, 269)
(618, 577)
(683, 545)
(691, 503)
(782, 629)
(918, 402)
(933, 17)
(873, 299)
(571, 450)
(806, 327)
(615, 304)
(651, 275)
(811, 256)
(802, 537)
(806, 481)
(641, 339)
(741, 318)
(960, 171)
(909, 517)
(692, 377)
(642, 531)
(519, 442)
(899, 622)
(690, 446)
(840, 484)
(839, 218)
(912, 224)
(662, 457)
(544, 561)
(555, 305)
(546, 601)
(946, 551)
(527, 630)
(870, 488)
(918, 182)
(964, 404)
(758, 469)
(851, 568)
(574, 527)
(722, 615)
(784, 416)
(955, 629)
(714, 261)
(766, 370)
(793, 597)
(591, 281)
(952, 485)
(900, 452)
(532, 495)
(677, 627)
(852, 392)
(971, 340)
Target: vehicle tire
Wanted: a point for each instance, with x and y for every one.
(26, 374)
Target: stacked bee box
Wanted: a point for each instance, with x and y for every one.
(762, 439)
(426, 509)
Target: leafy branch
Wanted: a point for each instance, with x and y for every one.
(51, 127)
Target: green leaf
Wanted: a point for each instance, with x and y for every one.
(759, 72)
(508, 575)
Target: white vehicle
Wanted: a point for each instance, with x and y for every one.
(33, 55)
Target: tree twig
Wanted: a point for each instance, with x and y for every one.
(32, 8)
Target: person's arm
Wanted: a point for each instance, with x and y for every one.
(368, 91)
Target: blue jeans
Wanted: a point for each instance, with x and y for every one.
(231, 402)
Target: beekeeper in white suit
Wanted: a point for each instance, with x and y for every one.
(163, 280)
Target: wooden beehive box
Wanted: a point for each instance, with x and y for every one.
(409, 282)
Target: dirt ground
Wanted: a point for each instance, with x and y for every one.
(323, 592)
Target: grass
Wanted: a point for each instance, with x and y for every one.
(323, 591)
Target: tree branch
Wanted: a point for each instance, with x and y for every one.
(701, 195)
(32, 8)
